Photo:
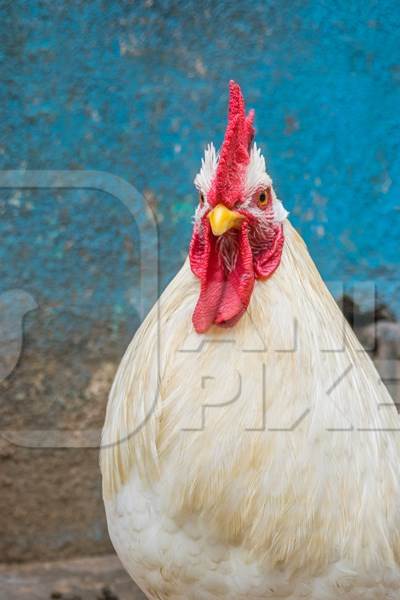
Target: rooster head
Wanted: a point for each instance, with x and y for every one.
(238, 235)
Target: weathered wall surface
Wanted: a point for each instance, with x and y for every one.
(137, 90)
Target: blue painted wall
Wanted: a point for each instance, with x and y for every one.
(137, 89)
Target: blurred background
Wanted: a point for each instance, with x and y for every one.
(137, 89)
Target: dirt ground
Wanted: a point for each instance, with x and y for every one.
(99, 578)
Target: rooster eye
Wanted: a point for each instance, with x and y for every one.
(201, 199)
(264, 197)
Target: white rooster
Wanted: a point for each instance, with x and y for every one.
(250, 449)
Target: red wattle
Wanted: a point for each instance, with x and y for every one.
(239, 284)
(225, 295)
(205, 264)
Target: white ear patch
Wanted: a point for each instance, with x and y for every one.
(205, 176)
(257, 178)
(280, 212)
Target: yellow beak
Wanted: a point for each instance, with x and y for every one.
(222, 219)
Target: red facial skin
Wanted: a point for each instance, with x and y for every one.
(225, 295)
(225, 292)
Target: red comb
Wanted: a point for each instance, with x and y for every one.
(234, 154)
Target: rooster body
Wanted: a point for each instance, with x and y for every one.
(258, 460)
